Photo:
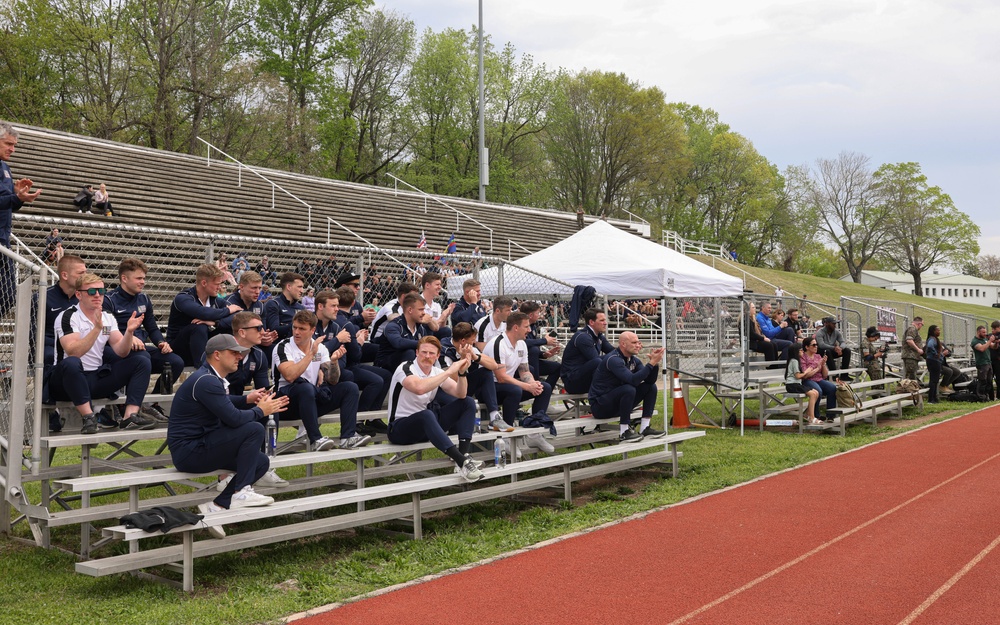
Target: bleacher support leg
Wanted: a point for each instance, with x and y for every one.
(188, 574)
(418, 525)
(567, 485)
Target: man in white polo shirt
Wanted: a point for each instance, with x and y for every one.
(414, 385)
(494, 323)
(514, 380)
(80, 374)
(297, 361)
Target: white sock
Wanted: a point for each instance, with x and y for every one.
(622, 428)
(643, 425)
(495, 415)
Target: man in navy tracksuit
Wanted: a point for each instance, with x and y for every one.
(13, 195)
(253, 367)
(194, 314)
(469, 307)
(540, 366)
(622, 382)
(128, 298)
(583, 352)
(399, 341)
(279, 311)
(332, 326)
(213, 430)
(481, 382)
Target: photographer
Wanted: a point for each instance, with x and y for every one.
(980, 347)
(995, 353)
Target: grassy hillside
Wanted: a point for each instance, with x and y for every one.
(829, 291)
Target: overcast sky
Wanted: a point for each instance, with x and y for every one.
(897, 80)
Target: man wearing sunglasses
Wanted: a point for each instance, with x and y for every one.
(80, 372)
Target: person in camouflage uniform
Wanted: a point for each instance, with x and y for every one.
(913, 349)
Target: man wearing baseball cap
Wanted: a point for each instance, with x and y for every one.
(211, 430)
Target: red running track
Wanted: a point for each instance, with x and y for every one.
(905, 531)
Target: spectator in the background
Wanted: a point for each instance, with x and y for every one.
(309, 299)
(84, 199)
(102, 201)
(469, 308)
(266, 272)
(223, 264)
(240, 265)
(54, 247)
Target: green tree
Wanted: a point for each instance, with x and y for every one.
(929, 229)
(844, 193)
(608, 141)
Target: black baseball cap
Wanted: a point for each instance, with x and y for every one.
(344, 278)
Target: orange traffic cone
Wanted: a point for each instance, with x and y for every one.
(680, 419)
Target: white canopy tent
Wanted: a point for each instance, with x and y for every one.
(616, 264)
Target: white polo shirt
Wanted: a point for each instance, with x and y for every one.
(403, 403)
(287, 351)
(486, 330)
(433, 309)
(72, 320)
(389, 311)
(509, 356)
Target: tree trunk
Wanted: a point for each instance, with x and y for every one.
(918, 288)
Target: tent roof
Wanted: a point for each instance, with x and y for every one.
(619, 264)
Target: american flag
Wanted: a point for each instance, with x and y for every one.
(422, 243)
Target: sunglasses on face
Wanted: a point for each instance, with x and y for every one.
(94, 291)
(257, 328)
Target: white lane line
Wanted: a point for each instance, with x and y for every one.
(951, 582)
(766, 576)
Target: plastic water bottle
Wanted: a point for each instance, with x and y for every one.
(499, 453)
(272, 435)
(476, 424)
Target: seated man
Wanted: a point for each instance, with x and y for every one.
(514, 380)
(373, 382)
(399, 340)
(347, 297)
(493, 324)
(297, 361)
(621, 383)
(389, 311)
(795, 323)
(195, 313)
(212, 430)
(831, 345)
(469, 307)
(356, 313)
(538, 360)
(871, 354)
(584, 351)
(58, 298)
(127, 299)
(431, 284)
(80, 372)
(781, 336)
(280, 310)
(413, 419)
(481, 382)
(252, 368)
(246, 295)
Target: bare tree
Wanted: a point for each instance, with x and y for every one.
(851, 216)
(989, 266)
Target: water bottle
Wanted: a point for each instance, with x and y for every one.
(476, 424)
(499, 453)
(272, 435)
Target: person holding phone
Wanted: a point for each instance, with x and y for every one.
(815, 372)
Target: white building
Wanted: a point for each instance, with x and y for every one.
(953, 287)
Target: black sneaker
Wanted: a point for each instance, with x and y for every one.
(630, 436)
(378, 425)
(104, 419)
(56, 422)
(89, 424)
(364, 427)
(651, 432)
(137, 422)
(154, 412)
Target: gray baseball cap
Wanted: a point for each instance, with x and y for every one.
(222, 343)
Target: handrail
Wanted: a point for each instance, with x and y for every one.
(631, 215)
(511, 242)
(743, 271)
(31, 253)
(675, 241)
(331, 220)
(439, 201)
(239, 173)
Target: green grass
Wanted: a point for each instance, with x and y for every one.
(268, 583)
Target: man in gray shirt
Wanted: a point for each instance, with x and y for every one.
(831, 345)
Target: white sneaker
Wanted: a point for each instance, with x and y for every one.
(271, 479)
(247, 498)
(322, 444)
(470, 471)
(538, 442)
(506, 443)
(479, 463)
(221, 485)
(208, 508)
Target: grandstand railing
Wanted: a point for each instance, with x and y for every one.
(239, 173)
(675, 241)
